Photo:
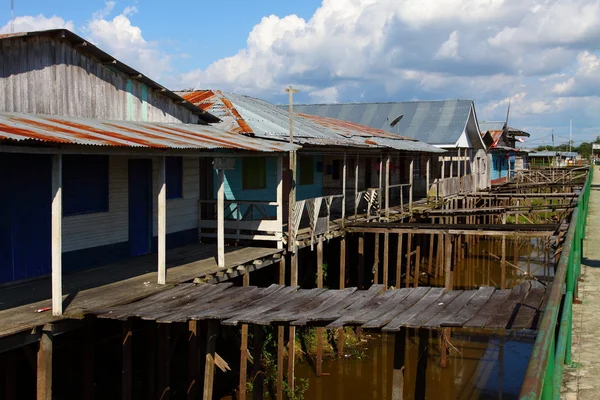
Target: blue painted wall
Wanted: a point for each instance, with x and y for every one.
(233, 184)
(499, 165)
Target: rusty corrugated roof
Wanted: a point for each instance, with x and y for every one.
(94, 132)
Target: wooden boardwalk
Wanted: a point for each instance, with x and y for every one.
(422, 307)
(122, 283)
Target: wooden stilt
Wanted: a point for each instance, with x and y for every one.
(209, 364)
(430, 258)
(151, 350)
(361, 261)
(192, 388)
(10, 378)
(418, 262)
(376, 260)
(421, 378)
(243, 362)
(340, 342)
(164, 361)
(280, 339)
(319, 338)
(408, 258)
(503, 279)
(399, 357)
(127, 367)
(44, 365)
(162, 221)
(448, 279)
(386, 259)
(292, 329)
(399, 256)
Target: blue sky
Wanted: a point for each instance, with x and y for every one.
(543, 56)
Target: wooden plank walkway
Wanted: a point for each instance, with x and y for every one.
(121, 283)
(389, 311)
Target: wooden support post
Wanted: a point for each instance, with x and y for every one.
(418, 262)
(162, 221)
(57, 308)
(408, 259)
(399, 262)
(361, 260)
(209, 367)
(44, 365)
(151, 351)
(280, 200)
(448, 267)
(411, 181)
(443, 167)
(344, 192)
(503, 278)
(164, 361)
(258, 375)
(292, 329)
(387, 187)
(342, 285)
(10, 378)
(292, 203)
(430, 258)
(356, 199)
(280, 339)
(386, 259)
(399, 358)
(376, 260)
(127, 365)
(244, 350)
(221, 220)
(319, 362)
(451, 166)
(427, 174)
(192, 388)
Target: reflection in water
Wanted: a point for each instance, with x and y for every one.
(480, 367)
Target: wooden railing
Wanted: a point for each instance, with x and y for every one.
(244, 219)
(315, 214)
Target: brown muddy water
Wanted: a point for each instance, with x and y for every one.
(480, 367)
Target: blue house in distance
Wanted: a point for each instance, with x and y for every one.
(503, 151)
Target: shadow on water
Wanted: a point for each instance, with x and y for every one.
(479, 367)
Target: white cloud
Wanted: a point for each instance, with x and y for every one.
(449, 49)
(30, 23)
(326, 95)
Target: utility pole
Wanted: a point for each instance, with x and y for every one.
(291, 92)
(570, 134)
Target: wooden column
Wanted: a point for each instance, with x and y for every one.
(292, 329)
(164, 361)
(399, 358)
(356, 200)
(44, 365)
(408, 256)
(209, 367)
(319, 363)
(417, 261)
(244, 349)
(399, 256)
(127, 366)
(443, 167)
(411, 180)
(57, 235)
(258, 374)
(192, 389)
(421, 378)
(280, 200)
(427, 174)
(280, 338)
(221, 219)
(344, 192)
(340, 342)
(387, 186)
(162, 221)
(386, 259)
(376, 260)
(451, 166)
(448, 282)
(503, 280)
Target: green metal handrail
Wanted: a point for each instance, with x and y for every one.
(552, 347)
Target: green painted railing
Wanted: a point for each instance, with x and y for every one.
(552, 347)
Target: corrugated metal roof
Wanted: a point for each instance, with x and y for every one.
(568, 154)
(433, 122)
(251, 116)
(94, 132)
(485, 126)
(86, 47)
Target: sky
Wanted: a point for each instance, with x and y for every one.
(541, 56)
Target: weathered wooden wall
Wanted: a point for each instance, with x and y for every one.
(100, 229)
(44, 75)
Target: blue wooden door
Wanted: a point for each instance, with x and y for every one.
(140, 206)
(25, 215)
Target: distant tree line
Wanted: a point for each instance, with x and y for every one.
(584, 149)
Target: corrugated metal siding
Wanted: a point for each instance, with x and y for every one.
(93, 230)
(46, 76)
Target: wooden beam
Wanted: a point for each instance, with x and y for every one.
(454, 232)
(428, 173)
(411, 181)
(386, 259)
(361, 260)
(387, 186)
(399, 256)
(356, 200)
(209, 367)
(448, 282)
(280, 339)
(44, 366)
(319, 338)
(292, 203)
(342, 285)
(344, 191)
(162, 221)
(503, 263)
(408, 257)
(221, 220)
(57, 308)
(376, 260)
(127, 362)
(280, 200)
